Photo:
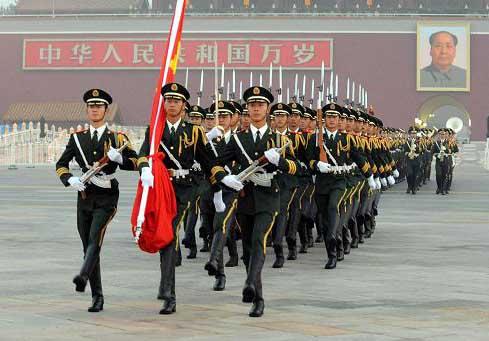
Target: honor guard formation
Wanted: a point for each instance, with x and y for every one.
(275, 175)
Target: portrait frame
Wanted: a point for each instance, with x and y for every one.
(423, 59)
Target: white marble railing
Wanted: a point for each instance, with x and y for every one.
(23, 145)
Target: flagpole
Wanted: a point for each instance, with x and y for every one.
(201, 88)
(234, 85)
(240, 90)
(216, 88)
(280, 89)
(312, 94)
(186, 79)
(177, 23)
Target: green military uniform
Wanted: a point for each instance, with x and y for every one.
(222, 221)
(259, 202)
(183, 144)
(412, 150)
(344, 237)
(453, 150)
(299, 207)
(193, 212)
(443, 150)
(98, 204)
(441, 153)
(310, 215)
(234, 233)
(331, 187)
(206, 206)
(288, 187)
(357, 182)
(366, 146)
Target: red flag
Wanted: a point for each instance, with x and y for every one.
(155, 207)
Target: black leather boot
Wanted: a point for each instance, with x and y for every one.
(220, 283)
(232, 262)
(80, 283)
(292, 250)
(279, 257)
(169, 307)
(193, 252)
(331, 264)
(97, 304)
(249, 293)
(257, 309)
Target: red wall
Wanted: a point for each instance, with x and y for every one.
(384, 63)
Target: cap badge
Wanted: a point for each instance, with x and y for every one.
(256, 91)
(95, 93)
(280, 106)
(174, 87)
(332, 106)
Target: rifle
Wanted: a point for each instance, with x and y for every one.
(322, 152)
(258, 164)
(97, 167)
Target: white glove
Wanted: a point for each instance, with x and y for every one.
(214, 133)
(395, 173)
(218, 202)
(232, 182)
(377, 182)
(272, 156)
(147, 178)
(390, 180)
(115, 155)
(324, 167)
(75, 183)
(371, 183)
(383, 181)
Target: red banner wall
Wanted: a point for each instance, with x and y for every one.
(137, 54)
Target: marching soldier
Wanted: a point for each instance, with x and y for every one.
(223, 218)
(388, 168)
(235, 117)
(366, 192)
(244, 119)
(97, 198)
(440, 151)
(259, 202)
(300, 202)
(452, 142)
(183, 144)
(354, 127)
(308, 206)
(412, 150)
(428, 156)
(327, 152)
(287, 183)
(343, 235)
(234, 233)
(206, 206)
(196, 115)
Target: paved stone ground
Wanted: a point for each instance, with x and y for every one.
(423, 276)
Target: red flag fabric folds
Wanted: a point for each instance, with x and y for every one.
(157, 204)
